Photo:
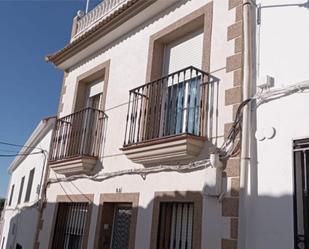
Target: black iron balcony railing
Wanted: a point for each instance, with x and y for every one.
(78, 134)
(175, 104)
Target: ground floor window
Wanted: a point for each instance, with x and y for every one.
(301, 199)
(177, 220)
(70, 227)
(175, 225)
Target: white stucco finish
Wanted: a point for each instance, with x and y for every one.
(283, 52)
(23, 217)
(128, 61)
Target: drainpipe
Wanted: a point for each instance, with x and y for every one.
(43, 186)
(248, 78)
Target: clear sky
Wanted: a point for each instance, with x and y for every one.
(29, 87)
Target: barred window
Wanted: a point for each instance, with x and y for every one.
(301, 199)
(175, 225)
(70, 225)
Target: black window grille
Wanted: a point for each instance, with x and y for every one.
(174, 104)
(301, 200)
(121, 228)
(175, 229)
(70, 227)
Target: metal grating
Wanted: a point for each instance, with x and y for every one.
(301, 199)
(121, 230)
(70, 225)
(174, 104)
(78, 134)
(175, 229)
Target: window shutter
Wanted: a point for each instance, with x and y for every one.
(184, 52)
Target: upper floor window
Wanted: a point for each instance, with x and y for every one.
(94, 94)
(175, 103)
(21, 188)
(29, 185)
(11, 195)
(78, 136)
(170, 115)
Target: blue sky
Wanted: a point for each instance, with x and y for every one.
(29, 87)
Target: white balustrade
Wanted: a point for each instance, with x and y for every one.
(102, 10)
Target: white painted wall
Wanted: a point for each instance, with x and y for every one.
(128, 56)
(283, 53)
(23, 217)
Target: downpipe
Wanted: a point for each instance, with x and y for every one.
(248, 78)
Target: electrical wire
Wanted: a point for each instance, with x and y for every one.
(12, 151)
(18, 145)
(143, 172)
(21, 154)
(230, 146)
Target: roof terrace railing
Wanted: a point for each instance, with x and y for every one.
(105, 8)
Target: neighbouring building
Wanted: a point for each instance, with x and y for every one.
(277, 177)
(150, 91)
(21, 212)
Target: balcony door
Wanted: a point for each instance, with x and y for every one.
(84, 124)
(92, 103)
(181, 101)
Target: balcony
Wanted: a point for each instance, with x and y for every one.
(167, 118)
(77, 142)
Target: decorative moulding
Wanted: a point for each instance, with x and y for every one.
(165, 150)
(73, 166)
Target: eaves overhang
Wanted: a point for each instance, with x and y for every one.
(106, 25)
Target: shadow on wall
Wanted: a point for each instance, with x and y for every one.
(269, 223)
(21, 230)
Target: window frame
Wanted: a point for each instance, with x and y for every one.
(118, 198)
(68, 199)
(11, 194)
(300, 168)
(21, 190)
(29, 185)
(99, 72)
(201, 18)
(182, 197)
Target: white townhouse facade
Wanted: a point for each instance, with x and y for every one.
(149, 95)
(181, 124)
(28, 174)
